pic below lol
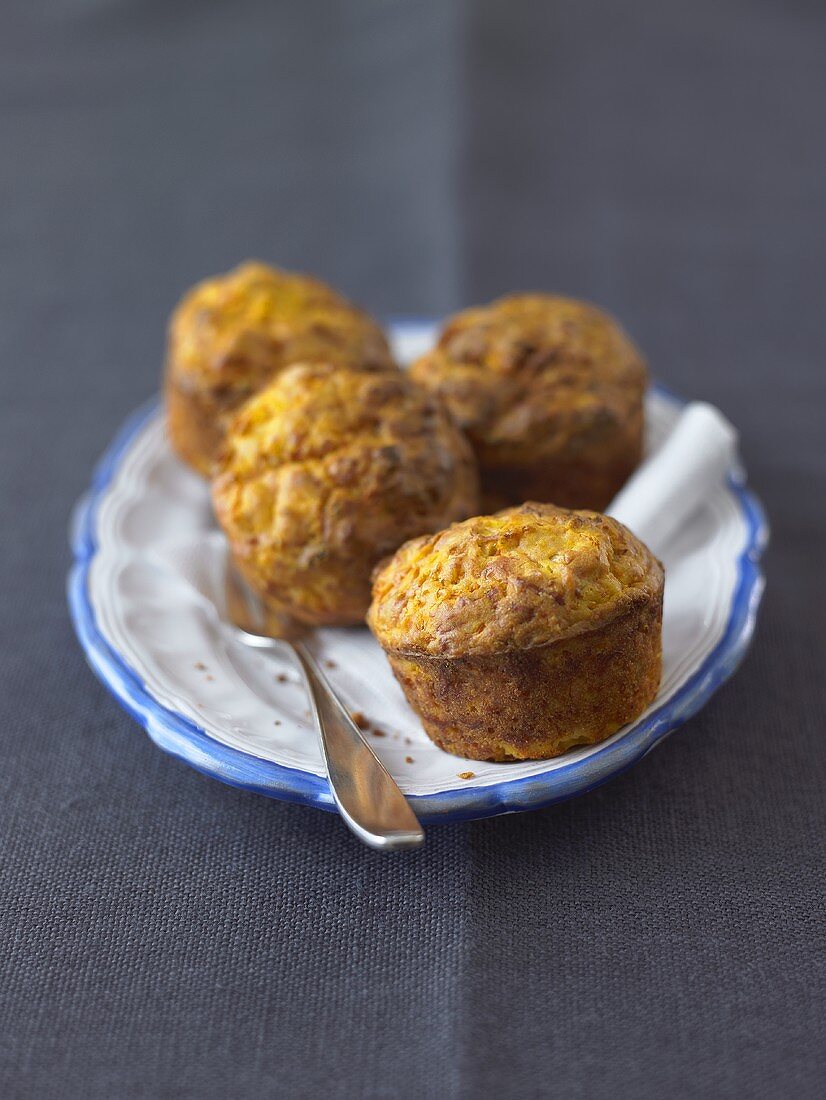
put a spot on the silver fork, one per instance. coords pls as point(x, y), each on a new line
point(366, 794)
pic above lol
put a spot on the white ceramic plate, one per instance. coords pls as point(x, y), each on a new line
point(145, 595)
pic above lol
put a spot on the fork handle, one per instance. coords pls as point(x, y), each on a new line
point(366, 794)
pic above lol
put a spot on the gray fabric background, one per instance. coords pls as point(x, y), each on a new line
point(164, 936)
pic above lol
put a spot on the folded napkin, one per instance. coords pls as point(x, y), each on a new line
point(259, 706)
point(665, 491)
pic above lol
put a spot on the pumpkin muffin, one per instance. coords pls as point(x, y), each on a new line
point(550, 392)
point(327, 471)
point(231, 335)
point(520, 635)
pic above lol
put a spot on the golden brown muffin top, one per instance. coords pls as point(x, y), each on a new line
point(529, 372)
point(519, 579)
point(314, 409)
point(235, 330)
point(330, 465)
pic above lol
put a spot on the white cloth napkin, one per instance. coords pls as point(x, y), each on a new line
point(665, 491)
point(259, 707)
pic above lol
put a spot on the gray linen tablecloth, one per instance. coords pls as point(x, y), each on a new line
point(164, 936)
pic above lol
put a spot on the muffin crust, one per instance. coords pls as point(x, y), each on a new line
point(519, 635)
point(231, 335)
point(549, 391)
point(327, 471)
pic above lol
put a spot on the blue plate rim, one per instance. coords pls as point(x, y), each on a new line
point(182, 738)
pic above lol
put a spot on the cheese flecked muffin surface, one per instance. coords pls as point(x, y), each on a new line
point(326, 472)
point(549, 391)
point(232, 334)
point(519, 635)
